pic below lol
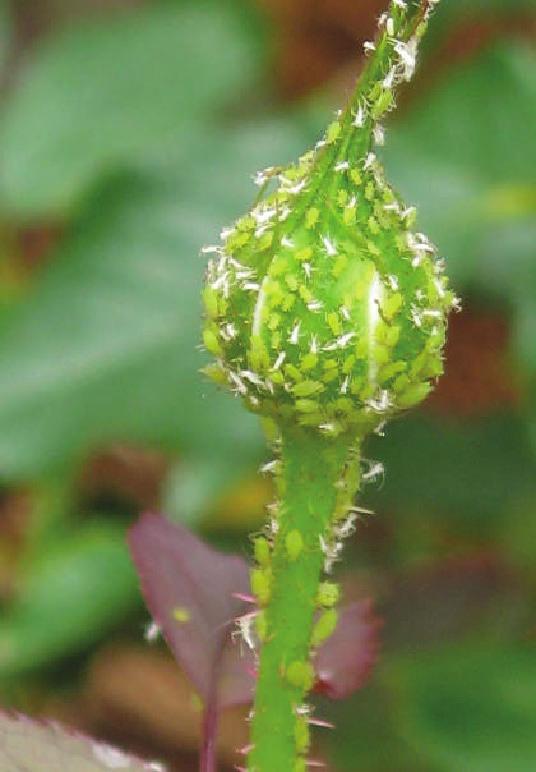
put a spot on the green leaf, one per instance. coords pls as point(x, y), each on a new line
point(76, 591)
point(471, 471)
point(6, 30)
point(470, 707)
point(106, 346)
point(102, 93)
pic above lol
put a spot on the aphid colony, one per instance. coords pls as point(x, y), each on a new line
point(324, 306)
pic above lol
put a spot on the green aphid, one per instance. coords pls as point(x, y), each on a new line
point(210, 301)
point(391, 305)
point(390, 370)
point(265, 241)
point(274, 320)
point(307, 388)
point(212, 344)
point(291, 281)
point(294, 544)
point(381, 354)
point(413, 395)
point(333, 132)
point(334, 323)
point(355, 176)
point(307, 406)
point(308, 362)
point(349, 364)
point(324, 627)
point(349, 216)
point(312, 418)
point(339, 265)
point(261, 584)
point(302, 735)
point(328, 594)
point(373, 226)
point(216, 373)
point(295, 373)
point(262, 551)
point(300, 675)
point(382, 103)
point(304, 254)
point(312, 217)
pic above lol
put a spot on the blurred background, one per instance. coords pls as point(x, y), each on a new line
point(129, 132)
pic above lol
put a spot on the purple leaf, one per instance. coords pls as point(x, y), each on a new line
point(32, 745)
point(346, 660)
point(189, 589)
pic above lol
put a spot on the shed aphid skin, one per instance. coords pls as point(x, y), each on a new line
point(326, 312)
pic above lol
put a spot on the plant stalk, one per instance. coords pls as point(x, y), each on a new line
point(310, 481)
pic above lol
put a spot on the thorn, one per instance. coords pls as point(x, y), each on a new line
point(321, 723)
point(244, 597)
point(245, 749)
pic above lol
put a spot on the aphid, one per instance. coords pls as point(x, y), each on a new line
point(261, 584)
point(262, 552)
point(324, 627)
point(328, 594)
point(300, 674)
point(294, 544)
point(302, 735)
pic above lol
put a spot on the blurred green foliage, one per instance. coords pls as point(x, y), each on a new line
point(138, 134)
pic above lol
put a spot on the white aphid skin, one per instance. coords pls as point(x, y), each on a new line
point(271, 467)
point(374, 472)
point(245, 630)
point(152, 632)
point(329, 246)
point(379, 135)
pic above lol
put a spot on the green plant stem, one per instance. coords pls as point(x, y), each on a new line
point(311, 472)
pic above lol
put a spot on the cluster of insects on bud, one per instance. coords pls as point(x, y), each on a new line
point(324, 306)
